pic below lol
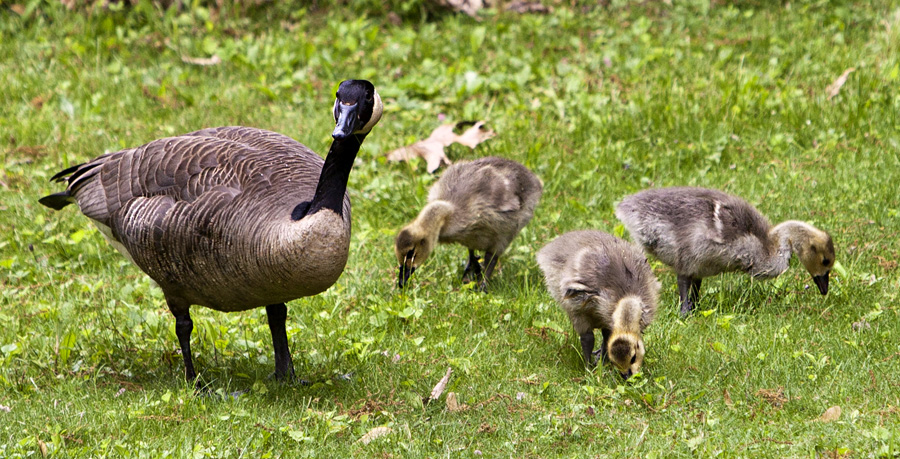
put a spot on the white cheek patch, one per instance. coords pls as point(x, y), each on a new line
point(377, 109)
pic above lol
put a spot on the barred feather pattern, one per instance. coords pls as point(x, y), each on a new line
point(207, 215)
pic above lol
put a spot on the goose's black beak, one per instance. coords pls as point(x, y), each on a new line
point(405, 272)
point(822, 283)
point(345, 116)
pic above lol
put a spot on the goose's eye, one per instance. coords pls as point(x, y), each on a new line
point(633, 359)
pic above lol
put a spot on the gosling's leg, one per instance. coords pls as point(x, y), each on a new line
point(490, 261)
point(277, 315)
point(473, 269)
point(183, 328)
point(689, 292)
point(602, 351)
point(587, 348)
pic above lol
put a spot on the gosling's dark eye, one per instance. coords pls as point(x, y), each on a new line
point(633, 359)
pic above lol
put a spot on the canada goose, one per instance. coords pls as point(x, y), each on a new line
point(479, 204)
point(603, 282)
point(701, 232)
point(231, 218)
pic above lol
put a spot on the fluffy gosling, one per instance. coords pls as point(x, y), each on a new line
point(481, 205)
point(603, 282)
point(701, 232)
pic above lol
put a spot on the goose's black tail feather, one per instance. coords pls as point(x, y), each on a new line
point(57, 200)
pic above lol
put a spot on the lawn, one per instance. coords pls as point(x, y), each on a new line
point(599, 102)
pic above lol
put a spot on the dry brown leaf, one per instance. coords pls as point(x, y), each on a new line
point(17, 8)
point(43, 448)
point(775, 397)
point(831, 414)
point(440, 386)
point(377, 432)
point(474, 135)
point(834, 88)
point(204, 61)
point(432, 148)
point(728, 402)
point(453, 404)
point(522, 6)
point(470, 7)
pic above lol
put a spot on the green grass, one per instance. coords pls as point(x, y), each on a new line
point(598, 102)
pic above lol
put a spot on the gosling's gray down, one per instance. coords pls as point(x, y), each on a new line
point(701, 232)
point(603, 282)
point(479, 204)
point(231, 218)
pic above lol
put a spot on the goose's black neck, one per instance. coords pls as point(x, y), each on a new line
point(333, 180)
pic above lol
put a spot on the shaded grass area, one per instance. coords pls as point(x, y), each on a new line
point(598, 102)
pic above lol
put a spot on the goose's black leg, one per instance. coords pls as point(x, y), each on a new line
point(277, 315)
point(587, 347)
point(473, 268)
point(183, 328)
point(689, 292)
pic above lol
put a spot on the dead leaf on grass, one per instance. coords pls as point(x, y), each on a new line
point(432, 148)
point(453, 404)
point(834, 88)
point(486, 428)
point(17, 8)
point(470, 7)
point(728, 402)
point(522, 6)
point(774, 397)
point(439, 387)
point(204, 61)
point(38, 101)
point(831, 414)
point(377, 432)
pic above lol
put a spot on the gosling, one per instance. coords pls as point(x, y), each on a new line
point(481, 205)
point(701, 232)
point(603, 282)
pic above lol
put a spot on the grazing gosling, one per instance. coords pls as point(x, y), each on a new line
point(701, 232)
point(603, 282)
point(481, 205)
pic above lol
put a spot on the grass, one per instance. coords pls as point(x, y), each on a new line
point(598, 102)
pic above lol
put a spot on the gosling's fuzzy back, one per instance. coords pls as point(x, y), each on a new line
point(698, 231)
point(493, 198)
point(605, 266)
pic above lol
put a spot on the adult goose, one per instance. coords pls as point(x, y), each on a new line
point(481, 204)
point(231, 218)
point(701, 232)
point(603, 282)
